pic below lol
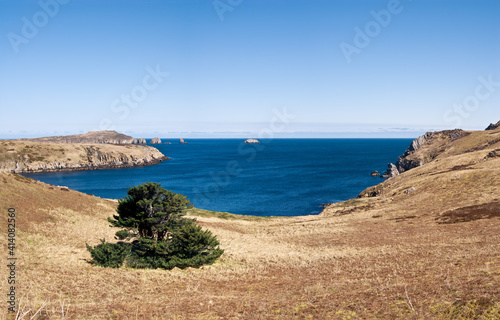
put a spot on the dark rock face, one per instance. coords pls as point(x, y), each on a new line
point(155, 140)
point(493, 126)
point(375, 173)
point(493, 154)
point(404, 164)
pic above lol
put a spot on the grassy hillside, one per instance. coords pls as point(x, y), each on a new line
point(430, 253)
point(465, 172)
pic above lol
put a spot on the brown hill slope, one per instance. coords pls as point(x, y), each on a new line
point(28, 156)
point(442, 144)
point(459, 173)
point(426, 247)
point(427, 254)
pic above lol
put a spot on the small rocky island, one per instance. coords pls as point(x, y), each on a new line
point(252, 141)
point(155, 140)
point(181, 141)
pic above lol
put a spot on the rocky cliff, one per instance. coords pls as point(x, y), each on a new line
point(424, 149)
point(451, 153)
point(31, 157)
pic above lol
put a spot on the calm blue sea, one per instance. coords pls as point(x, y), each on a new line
point(279, 177)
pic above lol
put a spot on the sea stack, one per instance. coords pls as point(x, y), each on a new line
point(252, 141)
point(182, 141)
point(155, 140)
point(139, 141)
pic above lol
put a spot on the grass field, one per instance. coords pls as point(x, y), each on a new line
point(432, 253)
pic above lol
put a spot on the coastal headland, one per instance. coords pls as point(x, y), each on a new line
point(90, 151)
point(422, 244)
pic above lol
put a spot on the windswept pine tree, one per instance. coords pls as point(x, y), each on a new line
point(152, 220)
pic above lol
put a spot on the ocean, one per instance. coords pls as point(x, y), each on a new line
point(279, 177)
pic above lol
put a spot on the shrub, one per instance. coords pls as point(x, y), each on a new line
point(189, 246)
point(108, 254)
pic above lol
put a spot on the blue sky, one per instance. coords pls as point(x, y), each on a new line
point(230, 67)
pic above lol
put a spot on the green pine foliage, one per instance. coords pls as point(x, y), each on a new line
point(189, 246)
point(150, 211)
point(108, 254)
point(162, 238)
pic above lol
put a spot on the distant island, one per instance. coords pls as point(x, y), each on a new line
point(105, 136)
point(252, 141)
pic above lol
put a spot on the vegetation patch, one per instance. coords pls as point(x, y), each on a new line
point(470, 213)
point(481, 308)
point(403, 218)
point(23, 179)
point(223, 215)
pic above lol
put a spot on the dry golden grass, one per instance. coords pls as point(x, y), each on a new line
point(387, 257)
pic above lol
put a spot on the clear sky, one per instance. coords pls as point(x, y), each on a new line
point(242, 67)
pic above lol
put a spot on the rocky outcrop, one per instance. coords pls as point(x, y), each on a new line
point(410, 190)
point(252, 141)
point(139, 141)
point(182, 141)
point(86, 157)
point(409, 159)
point(450, 152)
point(392, 170)
point(155, 140)
point(375, 173)
point(108, 136)
point(493, 126)
point(373, 191)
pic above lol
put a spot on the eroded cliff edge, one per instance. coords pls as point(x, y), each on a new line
point(451, 151)
point(21, 156)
